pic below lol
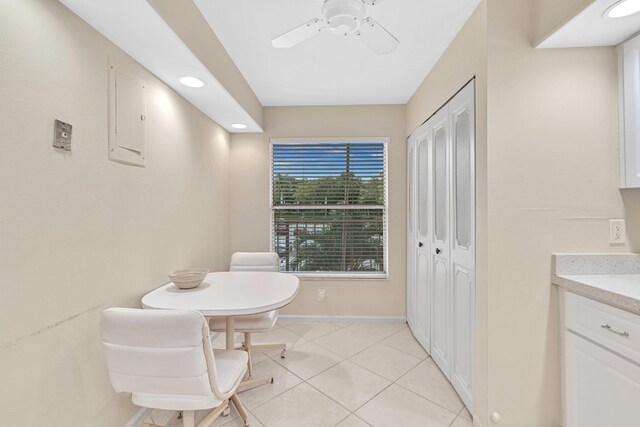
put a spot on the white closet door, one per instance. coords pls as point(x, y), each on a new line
point(422, 328)
point(461, 111)
point(411, 232)
point(441, 243)
point(439, 257)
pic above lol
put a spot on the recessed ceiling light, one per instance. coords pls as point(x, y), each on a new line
point(190, 81)
point(239, 126)
point(623, 8)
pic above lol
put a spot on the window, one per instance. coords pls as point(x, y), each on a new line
point(329, 206)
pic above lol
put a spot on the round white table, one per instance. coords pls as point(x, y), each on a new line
point(228, 294)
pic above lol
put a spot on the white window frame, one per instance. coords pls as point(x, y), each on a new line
point(338, 275)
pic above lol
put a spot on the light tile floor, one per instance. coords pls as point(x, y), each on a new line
point(344, 375)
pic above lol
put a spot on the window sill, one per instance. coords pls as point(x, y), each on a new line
point(339, 276)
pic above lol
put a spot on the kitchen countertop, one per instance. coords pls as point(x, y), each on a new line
point(610, 278)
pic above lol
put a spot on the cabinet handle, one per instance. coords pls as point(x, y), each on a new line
point(608, 328)
point(438, 251)
point(420, 245)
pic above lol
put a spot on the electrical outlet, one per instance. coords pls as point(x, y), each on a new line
point(322, 295)
point(617, 231)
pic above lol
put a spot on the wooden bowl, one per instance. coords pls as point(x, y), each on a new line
point(188, 278)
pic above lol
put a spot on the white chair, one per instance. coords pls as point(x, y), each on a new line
point(165, 360)
point(253, 261)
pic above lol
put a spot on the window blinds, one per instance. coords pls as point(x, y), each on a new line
point(329, 206)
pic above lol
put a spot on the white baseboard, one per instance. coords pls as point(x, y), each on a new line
point(341, 319)
point(138, 418)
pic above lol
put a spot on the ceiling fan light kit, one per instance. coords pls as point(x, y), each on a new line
point(344, 17)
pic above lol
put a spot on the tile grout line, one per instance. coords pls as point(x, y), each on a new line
point(428, 400)
point(348, 359)
point(454, 420)
point(281, 393)
point(325, 370)
point(285, 368)
point(366, 348)
point(350, 413)
point(348, 410)
point(301, 379)
point(405, 352)
point(456, 415)
point(374, 373)
point(320, 336)
point(381, 342)
point(391, 381)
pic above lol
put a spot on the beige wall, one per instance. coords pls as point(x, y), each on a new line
point(465, 59)
point(550, 15)
point(79, 233)
point(250, 212)
point(552, 187)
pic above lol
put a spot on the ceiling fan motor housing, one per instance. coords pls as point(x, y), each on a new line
point(343, 16)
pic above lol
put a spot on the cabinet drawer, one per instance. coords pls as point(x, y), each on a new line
point(608, 326)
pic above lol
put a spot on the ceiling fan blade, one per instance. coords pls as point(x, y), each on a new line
point(299, 34)
point(376, 37)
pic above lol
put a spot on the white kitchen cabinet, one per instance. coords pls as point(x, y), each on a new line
point(629, 112)
point(441, 238)
point(601, 364)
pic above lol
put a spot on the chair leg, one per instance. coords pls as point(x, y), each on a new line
point(188, 418)
point(213, 415)
point(241, 410)
point(253, 383)
point(271, 346)
point(248, 347)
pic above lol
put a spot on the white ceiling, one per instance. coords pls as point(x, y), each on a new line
point(330, 69)
point(591, 28)
point(144, 35)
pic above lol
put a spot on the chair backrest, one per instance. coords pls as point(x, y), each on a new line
point(158, 351)
point(255, 261)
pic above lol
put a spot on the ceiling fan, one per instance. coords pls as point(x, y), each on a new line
point(343, 17)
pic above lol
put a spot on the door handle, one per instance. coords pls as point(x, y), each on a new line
point(438, 251)
point(420, 244)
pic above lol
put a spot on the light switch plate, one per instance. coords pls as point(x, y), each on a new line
point(617, 231)
point(62, 135)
